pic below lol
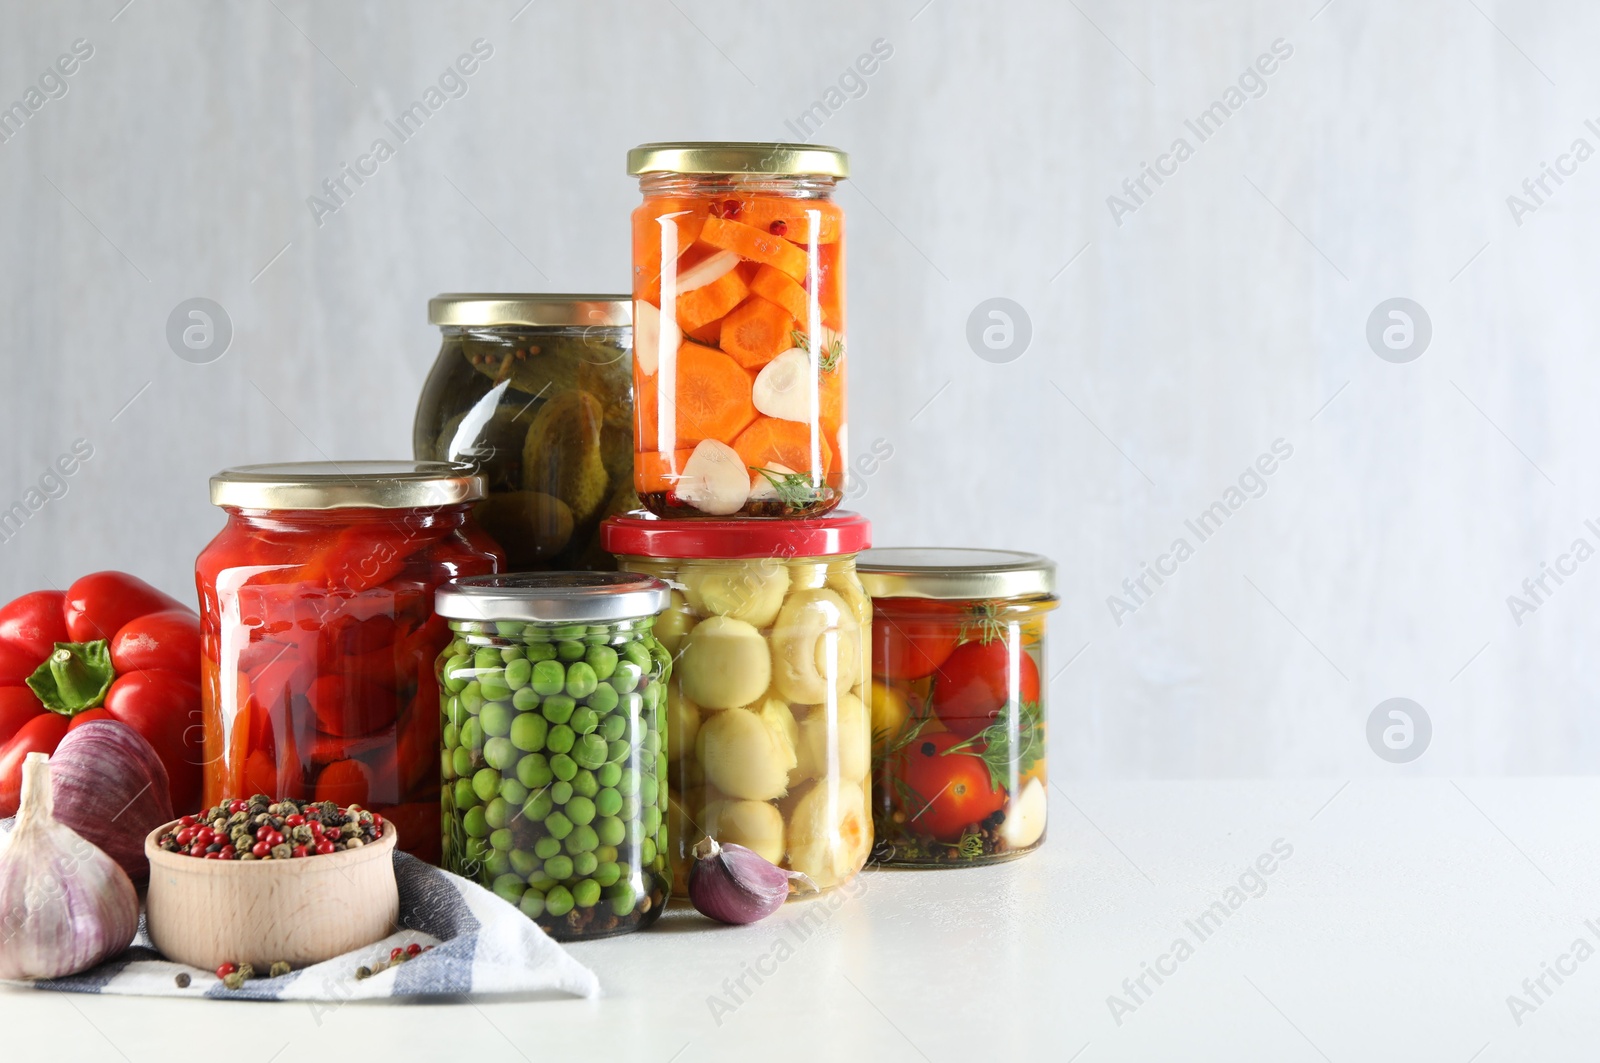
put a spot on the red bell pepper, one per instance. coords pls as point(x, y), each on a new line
point(113, 647)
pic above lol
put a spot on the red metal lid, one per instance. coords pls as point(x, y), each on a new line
point(646, 535)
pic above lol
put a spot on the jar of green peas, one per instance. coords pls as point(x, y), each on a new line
point(551, 695)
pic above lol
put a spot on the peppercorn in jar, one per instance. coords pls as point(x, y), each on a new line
point(554, 756)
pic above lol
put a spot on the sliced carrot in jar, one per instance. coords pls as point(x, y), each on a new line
point(770, 441)
point(712, 395)
point(686, 216)
point(655, 471)
point(830, 285)
point(792, 219)
point(754, 244)
point(706, 304)
point(778, 287)
point(756, 331)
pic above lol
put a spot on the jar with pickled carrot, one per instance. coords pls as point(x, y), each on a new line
point(739, 333)
point(319, 636)
point(957, 703)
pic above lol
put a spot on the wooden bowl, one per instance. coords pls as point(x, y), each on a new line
point(209, 912)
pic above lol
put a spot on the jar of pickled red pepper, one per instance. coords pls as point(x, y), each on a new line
point(554, 756)
point(768, 732)
point(958, 703)
point(535, 391)
point(739, 333)
point(318, 632)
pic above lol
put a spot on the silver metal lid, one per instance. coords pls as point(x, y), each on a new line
point(347, 485)
point(530, 309)
point(953, 573)
point(555, 597)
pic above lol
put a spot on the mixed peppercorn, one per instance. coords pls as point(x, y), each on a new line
point(259, 828)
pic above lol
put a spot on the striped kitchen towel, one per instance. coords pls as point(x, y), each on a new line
point(480, 943)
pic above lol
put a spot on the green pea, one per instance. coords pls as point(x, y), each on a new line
point(512, 653)
point(581, 679)
point(528, 731)
point(617, 752)
point(496, 718)
point(500, 754)
point(496, 812)
point(652, 742)
point(561, 791)
point(453, 667)
point(558, 902)
point(630, 807)
point(558, 708)
point(513, 791)
point(584, 720)
point(652, 819)
point(626, 677)
point(548, 678)
point(564, 767)
point(637, 654)
point(610, 829)
point(458, 647)
point(568, 631)
point(608, 773)
point(451, 736)
point(585, 784)
point(661, 658)
point(471, 734)
point(622, 898)
point(486, 658)
point(608, 802)
point(604, 700)
point(525, 863)
point(510, 887)
point(607, 873)
point(560, 739)
point(538, 805)
point(524, 700)
point(501, 839)
point(474, 822)
point(590, 751)
point(661, 840)
point(538, 880)
point(647, 789)
point(532, 904)
point(585, 894)
point(647, 762)
point(585, 864)
point(557, 824)
point(647, 851)
point(580, 810)
point(518, 672)
point(477, 850)
point(559, 867)
point(583, 839)
point(570, 651)
point(540, 651)
point(465, 795)
point(486, 783)
point(602, 660)
point(606, 852)
point(494, 686)
point(632, 705)
point(471, 698)
point(651, 697)
point(454, 712)
point(533, 771)
point(511, 629)
point(547, 847)
point(447, 764)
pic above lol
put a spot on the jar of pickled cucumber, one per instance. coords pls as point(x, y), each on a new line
point(551, 698)
point(536, 391)
point(768, 732)
point(958, 703)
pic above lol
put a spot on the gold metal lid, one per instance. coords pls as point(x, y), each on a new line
point(347, 485)
point(723, 156)
point(951, 573)
point(533, 309)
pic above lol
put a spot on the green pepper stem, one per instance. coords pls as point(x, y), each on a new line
point(75, 677)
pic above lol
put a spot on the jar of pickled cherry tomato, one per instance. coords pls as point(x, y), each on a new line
point(554, 762)
point(957, 699)
point(318, 632)
point(768, 732)
point(739, 332)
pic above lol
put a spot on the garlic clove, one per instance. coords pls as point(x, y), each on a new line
point(108, 784)
point(68, 906)
point(734, 885)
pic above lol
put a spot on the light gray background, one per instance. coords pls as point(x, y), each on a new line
point(1228, 311)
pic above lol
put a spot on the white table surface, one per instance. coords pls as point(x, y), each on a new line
point(1407, 913)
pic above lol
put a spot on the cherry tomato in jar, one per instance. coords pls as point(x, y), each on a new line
point(976, 681)
point(906, 645)
point(949, 791)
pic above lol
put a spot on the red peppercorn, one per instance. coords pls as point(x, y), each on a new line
point(237, 806)
point(261, 849)
point(212, 856)
point(185, 836)
point(731, 208)
point(324, 847)
point(316, 828)
point(300, 850)
point(394, 954)
point(294, 820)
point(226, 969)
point(778, 228)
point(227, 852)
point(413, 949)
point(197, 849)
point(275, 838)
point(188, 821)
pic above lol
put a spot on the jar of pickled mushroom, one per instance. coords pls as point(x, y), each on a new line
point(554, 762)
point(768, 732)
point(536, 392)
point(957, 701)
point(739, 335)
point(317, 626)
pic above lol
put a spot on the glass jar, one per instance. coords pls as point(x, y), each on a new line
point(958, 714)
point(555, 787)
point(535, 391)
point(318, 634)
point(738, 296)
point(768, 732)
